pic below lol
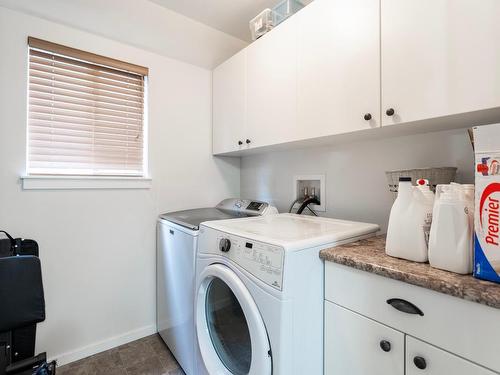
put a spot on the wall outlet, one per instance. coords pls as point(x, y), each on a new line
point(313, 183)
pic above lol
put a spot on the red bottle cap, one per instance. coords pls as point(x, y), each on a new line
point(482, 168)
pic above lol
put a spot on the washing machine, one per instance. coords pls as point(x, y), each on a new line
point(260, 293)
point(177, 240)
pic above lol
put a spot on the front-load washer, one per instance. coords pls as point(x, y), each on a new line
point(177, 239)
point(260, 293)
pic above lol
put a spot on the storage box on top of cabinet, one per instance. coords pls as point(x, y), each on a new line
point(261, 24)
point(285, 9)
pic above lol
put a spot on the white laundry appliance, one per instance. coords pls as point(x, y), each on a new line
point(177, 239)
point(259, 293)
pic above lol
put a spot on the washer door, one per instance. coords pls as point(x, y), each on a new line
point(231, 334)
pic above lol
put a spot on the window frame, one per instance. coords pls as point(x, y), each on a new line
point(35, 180)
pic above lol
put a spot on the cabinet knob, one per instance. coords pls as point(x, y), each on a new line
point(390, 112)
point(385, 346)
point(240, 143)
point(248, 141)
point(420, 363)
point(368, 117)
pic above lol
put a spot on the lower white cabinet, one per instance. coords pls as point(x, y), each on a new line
point(356, 345)
point(428, 332)
point(422, 358)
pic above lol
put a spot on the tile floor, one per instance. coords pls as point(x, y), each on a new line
point(147, 356)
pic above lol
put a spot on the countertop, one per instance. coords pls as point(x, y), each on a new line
point(369, 255)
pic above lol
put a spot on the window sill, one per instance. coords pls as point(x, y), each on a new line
point(84, 182)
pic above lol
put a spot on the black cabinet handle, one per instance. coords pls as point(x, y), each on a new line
point(420, 363)
point(390, 112)
point(240, 143)
point(368, 117)
point(405, 306)
point(385, 346)
point(248, 141)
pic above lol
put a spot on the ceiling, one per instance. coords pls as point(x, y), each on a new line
point(229, 16)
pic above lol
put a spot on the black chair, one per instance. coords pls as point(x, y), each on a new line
point(22, 306)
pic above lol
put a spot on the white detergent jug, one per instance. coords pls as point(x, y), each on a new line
point(410, 221)
point(451, 240)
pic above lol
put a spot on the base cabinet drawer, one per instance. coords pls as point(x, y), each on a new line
point(425, 359)
point(356, 345)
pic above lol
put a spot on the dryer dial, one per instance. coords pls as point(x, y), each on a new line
point(224, 245)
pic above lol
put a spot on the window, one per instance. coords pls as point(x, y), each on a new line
point(86, 113)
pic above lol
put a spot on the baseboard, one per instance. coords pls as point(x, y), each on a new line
point(112, 342)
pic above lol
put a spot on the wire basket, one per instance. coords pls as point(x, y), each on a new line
point(436, 176)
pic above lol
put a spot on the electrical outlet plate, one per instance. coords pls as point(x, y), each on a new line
point(313, 180)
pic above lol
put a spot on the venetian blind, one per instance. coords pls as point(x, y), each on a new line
point(85, 113)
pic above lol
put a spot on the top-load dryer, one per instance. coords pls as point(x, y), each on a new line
point(260, 293)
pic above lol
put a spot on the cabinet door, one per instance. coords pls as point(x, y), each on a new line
point(353, 345)
point(439, 58)
point(272, 86)
point(422, 358)
point(229, 104)
point(338, 67)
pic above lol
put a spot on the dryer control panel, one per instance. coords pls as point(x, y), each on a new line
point(262, 260)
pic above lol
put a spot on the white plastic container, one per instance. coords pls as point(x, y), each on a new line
point(410, 222)
point(451, 238)
point(261, 24)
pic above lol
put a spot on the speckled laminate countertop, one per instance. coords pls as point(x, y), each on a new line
point(369, 255)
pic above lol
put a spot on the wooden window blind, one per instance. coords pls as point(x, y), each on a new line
point(85, 113)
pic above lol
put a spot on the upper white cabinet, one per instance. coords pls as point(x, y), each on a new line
point(342, 66)
point(439, 58)
point(338, 67)
point(271, 86)
point(229, 104)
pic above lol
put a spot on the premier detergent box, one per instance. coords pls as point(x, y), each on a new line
point(487, 203)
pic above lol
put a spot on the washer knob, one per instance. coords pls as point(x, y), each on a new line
point(224, 245)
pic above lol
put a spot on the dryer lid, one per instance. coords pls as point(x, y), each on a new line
point(295, 231)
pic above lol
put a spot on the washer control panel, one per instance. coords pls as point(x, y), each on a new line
point(262, 260)
point(244, 206)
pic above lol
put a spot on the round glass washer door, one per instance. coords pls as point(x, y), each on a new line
point(231, 334)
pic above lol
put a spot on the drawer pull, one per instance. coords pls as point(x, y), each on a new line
point(420, 363)
point(405, 306)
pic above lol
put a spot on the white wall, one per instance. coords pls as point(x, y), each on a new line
point(140, 23)
point(356, 185)
point(98, 247)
